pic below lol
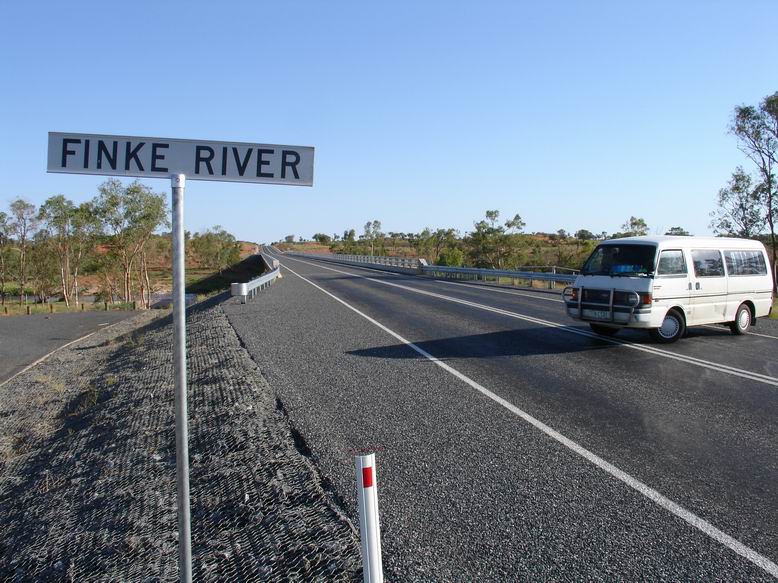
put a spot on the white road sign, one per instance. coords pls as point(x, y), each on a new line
point(197, 159)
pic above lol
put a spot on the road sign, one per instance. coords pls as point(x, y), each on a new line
point(196, 159)
point(178, 160)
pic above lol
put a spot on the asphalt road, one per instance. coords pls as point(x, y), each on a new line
point(25, 339)
point(511, 443)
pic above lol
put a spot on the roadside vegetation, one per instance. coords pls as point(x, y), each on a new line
point(747, 207)
point(114, 248)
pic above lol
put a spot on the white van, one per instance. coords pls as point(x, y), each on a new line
point(665, 284)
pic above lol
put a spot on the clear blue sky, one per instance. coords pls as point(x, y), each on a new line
point(573, 114)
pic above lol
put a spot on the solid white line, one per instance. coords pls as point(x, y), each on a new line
point(534, 296)
point(674, 508)
point(465, 284)
point(749, 333)
point(753, 376)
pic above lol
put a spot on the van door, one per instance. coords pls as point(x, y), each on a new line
point(672, 283)
point(708, 295)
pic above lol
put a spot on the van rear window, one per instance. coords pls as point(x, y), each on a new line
point(748, 262)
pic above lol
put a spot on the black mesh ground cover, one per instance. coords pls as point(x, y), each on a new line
point(87, 467)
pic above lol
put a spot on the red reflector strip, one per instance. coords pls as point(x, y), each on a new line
point(367, 477)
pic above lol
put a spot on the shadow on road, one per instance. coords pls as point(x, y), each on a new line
point(524, 342)
point(532, 341)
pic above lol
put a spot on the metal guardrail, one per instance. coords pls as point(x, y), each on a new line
point(249, 289)
point(406, 262)
point(395, 264)
point(484, 274)
point(420, 266)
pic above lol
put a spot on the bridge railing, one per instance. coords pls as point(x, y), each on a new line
point(550, 274)
point(250, 289)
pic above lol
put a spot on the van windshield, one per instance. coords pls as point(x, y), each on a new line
point(621, 260)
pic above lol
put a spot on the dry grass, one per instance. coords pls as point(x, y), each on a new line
point(56, 385)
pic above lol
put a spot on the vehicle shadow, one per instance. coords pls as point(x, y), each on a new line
point(526, 341)
point(532, 341)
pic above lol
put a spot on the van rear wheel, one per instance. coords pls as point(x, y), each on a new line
point(603, 330)
point(742, 321)
point(673, 328)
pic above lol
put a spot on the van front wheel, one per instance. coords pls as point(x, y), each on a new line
point(673, 328)
point(742, 321)
point(603, 330)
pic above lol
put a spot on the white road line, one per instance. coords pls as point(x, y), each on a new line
point(753, 376)
point(672, 507)
point(749, 333)
point(534, 296)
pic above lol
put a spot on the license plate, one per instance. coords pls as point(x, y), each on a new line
point(597, 314)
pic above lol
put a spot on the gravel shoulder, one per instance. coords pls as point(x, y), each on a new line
point(87, 466)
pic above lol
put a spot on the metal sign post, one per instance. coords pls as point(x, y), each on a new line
point(178, 183)
point(176, 159)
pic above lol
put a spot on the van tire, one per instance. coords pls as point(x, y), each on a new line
point(603, 330)
point(742, 322)
point(673, 328)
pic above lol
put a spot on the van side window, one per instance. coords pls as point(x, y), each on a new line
point(707, 263)
point(671, 263)
point(747, 262)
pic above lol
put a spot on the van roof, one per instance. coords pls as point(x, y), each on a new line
point(666, 241)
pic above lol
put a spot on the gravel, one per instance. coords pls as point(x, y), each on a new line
point(87, 466)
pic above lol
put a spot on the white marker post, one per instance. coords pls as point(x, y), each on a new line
point(369, 528)
point(176, 160)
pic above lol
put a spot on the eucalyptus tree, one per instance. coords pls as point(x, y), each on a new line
point(491, 244)
point(56, 221)
point(756, 130)
point(5, 247)
point(739, 212)
point(130, 214)
point(23, 225)
point(86, 230)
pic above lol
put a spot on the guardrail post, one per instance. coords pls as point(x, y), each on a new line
point(369, 529)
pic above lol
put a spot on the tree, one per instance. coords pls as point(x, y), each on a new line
point(216, 248)
point(289, 239)
point(373, 234)
point(85, 230)
point(739, 212)
point(56, 218)
point(5, 249)
point(130, 215)
point(584, 235)
point(451, 257)
point(44, 269)
point(492, 244)
point(23, 226)
point(322, 239)
point(677, 232)
point(634, 227)
point(756, 130)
